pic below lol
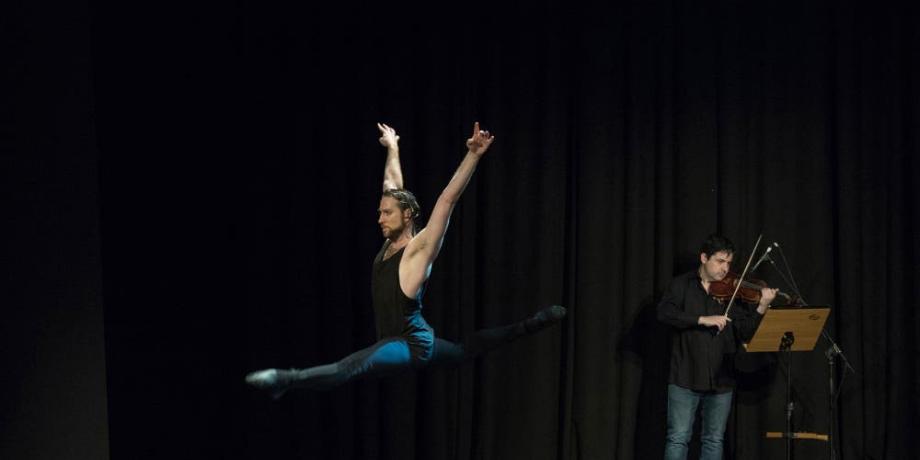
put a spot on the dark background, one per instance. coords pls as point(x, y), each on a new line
point(212, 170)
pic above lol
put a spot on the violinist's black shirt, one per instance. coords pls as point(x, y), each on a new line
point(702, 360)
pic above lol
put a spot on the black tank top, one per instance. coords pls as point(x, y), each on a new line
point(396, 313)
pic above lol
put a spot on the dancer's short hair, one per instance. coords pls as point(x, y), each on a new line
point(406, 200)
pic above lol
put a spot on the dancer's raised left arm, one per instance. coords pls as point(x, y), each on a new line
point(422, 251)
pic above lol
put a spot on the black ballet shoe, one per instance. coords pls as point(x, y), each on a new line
point(274, 381)
point(544, 318)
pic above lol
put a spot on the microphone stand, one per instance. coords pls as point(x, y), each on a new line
point(831, 354)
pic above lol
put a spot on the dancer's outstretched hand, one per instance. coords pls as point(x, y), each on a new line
point(388, 137)
point(480, 141)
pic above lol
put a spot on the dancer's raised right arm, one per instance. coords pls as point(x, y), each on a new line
point(392, 171)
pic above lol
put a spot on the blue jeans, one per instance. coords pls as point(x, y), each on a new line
point(682, 405)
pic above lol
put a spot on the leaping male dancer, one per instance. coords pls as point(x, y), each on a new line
point(401, 269)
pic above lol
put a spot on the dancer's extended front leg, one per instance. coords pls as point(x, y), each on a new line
point(385, 357)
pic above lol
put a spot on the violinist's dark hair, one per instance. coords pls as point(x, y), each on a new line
point(716, 243)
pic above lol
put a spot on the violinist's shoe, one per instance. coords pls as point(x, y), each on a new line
point(274, 381)
point(544, 318)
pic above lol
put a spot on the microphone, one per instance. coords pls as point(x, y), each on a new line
point(791, 280)
point(765, 256)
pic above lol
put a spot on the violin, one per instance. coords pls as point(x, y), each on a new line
point(749, 291)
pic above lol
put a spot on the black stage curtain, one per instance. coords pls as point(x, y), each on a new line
point(52, 348)
point(240, 174)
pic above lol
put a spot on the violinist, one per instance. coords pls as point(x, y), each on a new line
point(703, 343)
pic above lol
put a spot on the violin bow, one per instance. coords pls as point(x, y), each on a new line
point(741, 279)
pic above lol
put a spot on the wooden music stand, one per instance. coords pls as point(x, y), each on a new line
point(788, 329)
point(803, 324)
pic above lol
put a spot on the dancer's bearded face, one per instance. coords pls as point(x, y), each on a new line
point(391, 218)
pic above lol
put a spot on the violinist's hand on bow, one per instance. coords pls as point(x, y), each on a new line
point(718, 321)
point(766, 297)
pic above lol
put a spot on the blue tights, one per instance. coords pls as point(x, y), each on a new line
point(396, 354)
